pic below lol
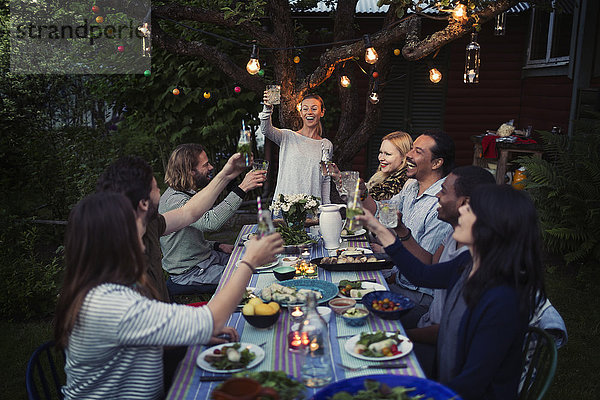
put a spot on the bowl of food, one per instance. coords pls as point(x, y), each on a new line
point(386, 304)
point(260, 314)
point(355, 316)
point(288, 261)
point(284, 273)
point(339, 305)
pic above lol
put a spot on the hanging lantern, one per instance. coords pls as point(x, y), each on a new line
point(472, 61)
point(253, 65)
point(296, 60)
point(460, 13)
point(435, 75)
point(176, 92)
point(500, 27)
point(396, 52)
point(237, 89)
point(371, 56)
point(374, 97)
point(99, 19)
point(345, 81)
point(206, 95)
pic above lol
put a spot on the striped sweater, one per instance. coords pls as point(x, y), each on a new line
point(115, 348)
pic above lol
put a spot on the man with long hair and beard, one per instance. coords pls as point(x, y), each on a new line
point(195, 264)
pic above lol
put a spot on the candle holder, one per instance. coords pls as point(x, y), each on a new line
point(297, 339)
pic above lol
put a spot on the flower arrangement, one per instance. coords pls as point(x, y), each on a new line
point(294, 208)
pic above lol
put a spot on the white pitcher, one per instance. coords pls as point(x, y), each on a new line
point(330, 224)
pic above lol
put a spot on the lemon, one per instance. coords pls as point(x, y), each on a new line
point(254, 301)
point(274, 305)
point(248, 309)
point(263, 309)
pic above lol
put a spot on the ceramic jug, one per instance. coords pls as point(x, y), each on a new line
point(330, 224)
point(242, 389)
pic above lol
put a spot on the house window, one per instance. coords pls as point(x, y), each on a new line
point(550, 37)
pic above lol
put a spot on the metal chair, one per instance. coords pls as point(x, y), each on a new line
point(45, 373)
point(539, 364)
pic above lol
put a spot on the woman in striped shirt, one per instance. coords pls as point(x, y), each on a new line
point(112, 332)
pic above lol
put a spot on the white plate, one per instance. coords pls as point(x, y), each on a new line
point(365, 285)
point(405, 347)
point(258, 351)
point(363, 250)
point(265, 266)
point(359, 232)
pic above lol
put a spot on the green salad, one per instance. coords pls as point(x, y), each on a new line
point(375, 390)
point(230, 357)
point(378, 344)
point(287, 388)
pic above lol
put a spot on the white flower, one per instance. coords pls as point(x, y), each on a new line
point(285, 207)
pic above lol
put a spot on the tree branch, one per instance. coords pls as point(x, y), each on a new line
point(179, 12)
point(418, 49)
point(201, 50)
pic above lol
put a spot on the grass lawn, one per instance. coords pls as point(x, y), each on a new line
point(578, 363)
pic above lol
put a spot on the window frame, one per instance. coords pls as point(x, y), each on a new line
point(548, 61)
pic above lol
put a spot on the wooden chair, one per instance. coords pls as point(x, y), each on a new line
point(45, 373)
point(539, 364)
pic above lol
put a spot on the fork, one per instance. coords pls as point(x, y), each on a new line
point(378, 366)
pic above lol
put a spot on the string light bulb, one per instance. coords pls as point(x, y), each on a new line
point(371, 56)
point(460, 13)
point(435, 75)
point(345, 81)
point(471, 74)
point(299, 107)
point(253, 65)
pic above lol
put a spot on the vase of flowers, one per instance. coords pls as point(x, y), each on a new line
point(294, 209)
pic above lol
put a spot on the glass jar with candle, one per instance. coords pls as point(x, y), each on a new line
point(316, 364)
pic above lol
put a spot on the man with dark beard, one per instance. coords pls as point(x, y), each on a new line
point(133, 177)
point(195, 264)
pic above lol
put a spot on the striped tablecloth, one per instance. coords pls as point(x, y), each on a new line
point(186, 384)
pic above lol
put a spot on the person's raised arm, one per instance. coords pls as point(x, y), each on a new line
point(258, 252)
point(204, 199)
point(266, 126)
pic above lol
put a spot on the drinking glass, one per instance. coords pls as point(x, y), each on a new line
point(274, 94)
point(388, 214)
point(347, 183)
point(353, 208)
point(260, 165)
point(328, 168)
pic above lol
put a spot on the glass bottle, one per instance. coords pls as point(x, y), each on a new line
point(265, 223)
point(244, 145)
point(316, 367)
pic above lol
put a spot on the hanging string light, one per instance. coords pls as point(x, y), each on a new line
point(460, 13)
point(345, 81)
point(371, 56)
point(374, 97)
point(253, 65)
point(472, 61)
point(500, 27)
point(435, 75)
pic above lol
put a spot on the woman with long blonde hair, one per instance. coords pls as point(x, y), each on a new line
point(391, 173)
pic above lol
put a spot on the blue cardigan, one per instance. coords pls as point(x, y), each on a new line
point(490, 337)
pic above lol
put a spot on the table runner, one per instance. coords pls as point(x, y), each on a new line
point(186, 384)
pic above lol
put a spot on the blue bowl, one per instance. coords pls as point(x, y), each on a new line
point(357, 321)
point(429, 389)
point(403, 303)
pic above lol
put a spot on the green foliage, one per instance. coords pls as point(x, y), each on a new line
point(28, 277)
point(565, 186)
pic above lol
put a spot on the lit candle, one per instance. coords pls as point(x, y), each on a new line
point(297, 313)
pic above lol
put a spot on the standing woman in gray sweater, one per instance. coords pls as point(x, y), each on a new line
point(300, 152)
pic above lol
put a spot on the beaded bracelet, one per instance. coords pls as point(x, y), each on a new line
point(248, 264)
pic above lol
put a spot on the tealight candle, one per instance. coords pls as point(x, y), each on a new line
point(297, 312)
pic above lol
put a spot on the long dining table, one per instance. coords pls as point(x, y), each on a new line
point(187, 383)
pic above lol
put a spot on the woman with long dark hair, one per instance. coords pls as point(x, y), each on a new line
point(300, 151)
point(493, 289)
point(111, 330)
